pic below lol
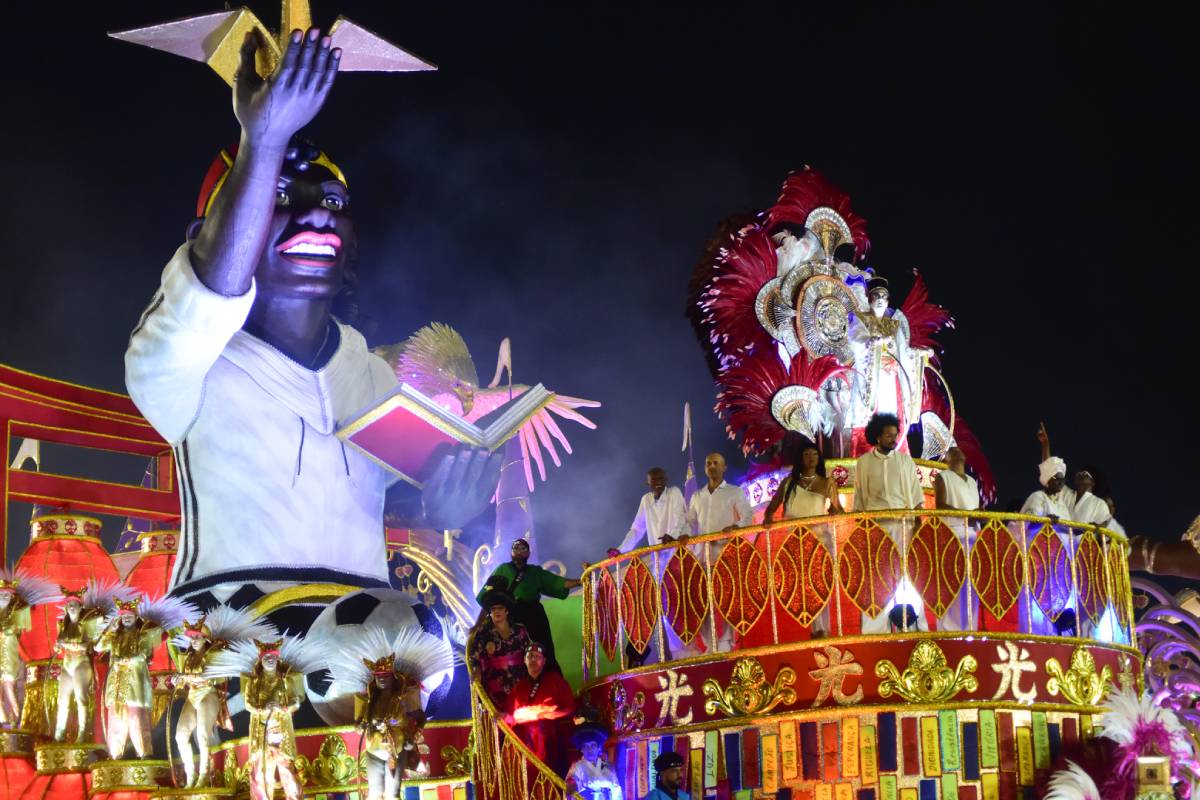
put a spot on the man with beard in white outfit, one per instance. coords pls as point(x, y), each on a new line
point(884, 479)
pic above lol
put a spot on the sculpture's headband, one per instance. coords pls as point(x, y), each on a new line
point(300, 152)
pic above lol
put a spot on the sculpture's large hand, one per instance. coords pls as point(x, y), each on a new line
point(273, 109)
point(461, 488)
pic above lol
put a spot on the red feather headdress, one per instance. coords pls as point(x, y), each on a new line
point(727, 303)
point(807, 190)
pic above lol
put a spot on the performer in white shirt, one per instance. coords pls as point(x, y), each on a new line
point(240, 365)
point(954, 489)
point(1080, 502)
point(1048, 501)
point(718, 506)
point(885, 478)
point(661, 517)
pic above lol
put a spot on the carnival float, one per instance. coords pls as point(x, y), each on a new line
point(1015, 663)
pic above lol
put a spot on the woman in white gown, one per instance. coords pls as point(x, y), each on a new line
point(806, 493)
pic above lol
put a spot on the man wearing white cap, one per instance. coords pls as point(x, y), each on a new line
point(1048, 501)
point(1080, 503)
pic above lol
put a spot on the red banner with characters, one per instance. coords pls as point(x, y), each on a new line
point(930, 670)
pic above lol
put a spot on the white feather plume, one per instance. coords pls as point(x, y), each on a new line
point(418, 654)
point(295, 655)
point(1071, 783)
point(167, 612)
point(33, 590)
point(1129, 709)
point(230, 625)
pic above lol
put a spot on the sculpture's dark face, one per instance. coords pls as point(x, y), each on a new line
point(311, 236)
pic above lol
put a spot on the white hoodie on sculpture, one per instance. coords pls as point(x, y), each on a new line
point(268, 493)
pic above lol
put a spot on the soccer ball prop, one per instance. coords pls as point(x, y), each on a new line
point(342, 621)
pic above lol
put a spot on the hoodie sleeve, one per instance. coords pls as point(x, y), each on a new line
point(179, 337)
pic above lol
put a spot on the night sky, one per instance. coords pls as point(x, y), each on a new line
point(555, 180)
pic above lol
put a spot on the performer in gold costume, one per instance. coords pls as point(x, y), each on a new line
point(204, 699)
point(272, 676)
point(19, 593)
point(129, 639)
point(80, 625)
point(387, 671)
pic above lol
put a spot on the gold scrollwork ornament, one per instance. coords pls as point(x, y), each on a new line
point(749, 692)
point(1081, 685)
point(928, 677)
point(458, 762)
point(333, 765)
point(625, 717)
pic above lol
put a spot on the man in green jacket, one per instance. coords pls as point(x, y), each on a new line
point(526, 583)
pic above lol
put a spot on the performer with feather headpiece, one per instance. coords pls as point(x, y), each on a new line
point(84, 613)
point(19, 593)
point(387, 674)
point(134, 630)
point(272, 679)
point(204, 699)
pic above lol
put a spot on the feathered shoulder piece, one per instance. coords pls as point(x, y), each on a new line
point(166, 612)
point(924, 318)
point(410, 654)
point(100, 597)
point(31, 590)
point(296, 656)
point(223, 626)
point(761, 399)
point(433, 360)
point(804, 195)
point(727, 322)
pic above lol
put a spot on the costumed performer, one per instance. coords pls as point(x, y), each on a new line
point(592, 776)
point(388, 672)
point(133, 632)
point(20, 592)
point(526, 584)
point(84, 613)
point(496, 645)
point(888, 371)
point(240, 364)
point(537, 706)
point(272, 681)
point(204, 699)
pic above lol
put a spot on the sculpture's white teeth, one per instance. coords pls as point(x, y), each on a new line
point(310, 249)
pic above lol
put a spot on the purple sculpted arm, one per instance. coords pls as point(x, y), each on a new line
point(230, 243)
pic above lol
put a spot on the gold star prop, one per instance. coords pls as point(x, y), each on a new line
point(216, 40)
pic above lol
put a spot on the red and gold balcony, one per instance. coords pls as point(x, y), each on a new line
point(1012, 629)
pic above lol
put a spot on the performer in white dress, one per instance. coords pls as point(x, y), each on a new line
point(806, 493)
